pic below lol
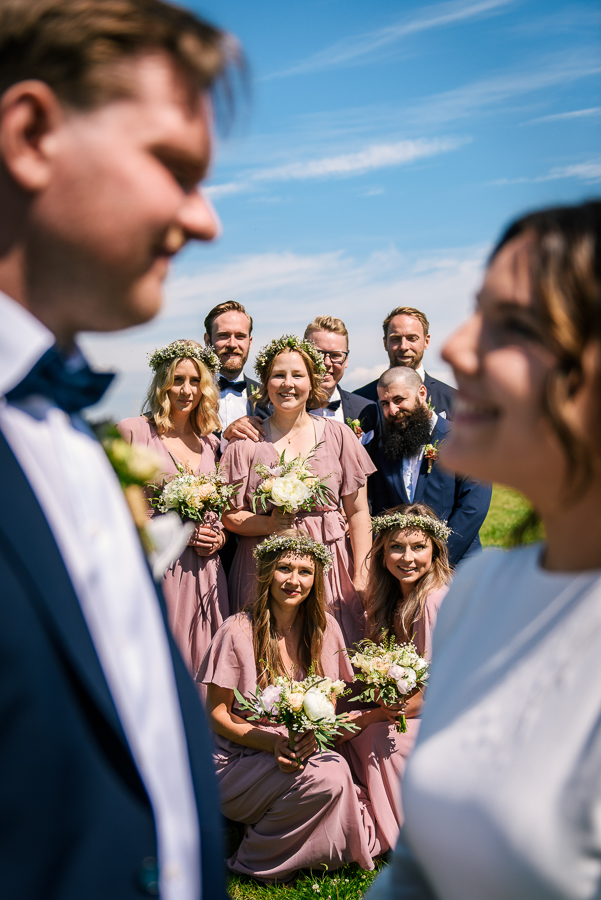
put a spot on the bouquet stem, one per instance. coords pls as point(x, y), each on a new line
point(292, 741)
point(402, 724)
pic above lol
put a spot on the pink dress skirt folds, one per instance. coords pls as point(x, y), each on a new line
point(312, 818)
point(378, 755)
point(194, 587)
point(339, 455)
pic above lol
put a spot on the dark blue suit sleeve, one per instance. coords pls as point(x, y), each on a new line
point(472, 500)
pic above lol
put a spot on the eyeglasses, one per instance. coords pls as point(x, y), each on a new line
point(336, 356)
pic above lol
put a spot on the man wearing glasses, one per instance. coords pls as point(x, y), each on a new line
point(331, 337)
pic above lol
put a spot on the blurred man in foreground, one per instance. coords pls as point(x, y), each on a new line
point(105, 132)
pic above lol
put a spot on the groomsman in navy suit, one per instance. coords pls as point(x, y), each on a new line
point(107, 786)
point(331, 337)
point(408, 470)
point(406, 338)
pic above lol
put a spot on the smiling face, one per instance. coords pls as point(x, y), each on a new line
point(500, 430)
point(121, 198)
point(331, 345)
point(406, 342)
point(185, 393)
point(408, 557)
point(289, 384)
point(292, 582)
point(399, 400)
point(230, 335)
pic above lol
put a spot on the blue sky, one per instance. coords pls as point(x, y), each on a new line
point(384, 147)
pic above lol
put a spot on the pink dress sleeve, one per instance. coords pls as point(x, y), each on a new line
point(334, 660)
point(236, 464)
point(229, 662)
point(425, 627)
point(355, 461)
point(135, 430)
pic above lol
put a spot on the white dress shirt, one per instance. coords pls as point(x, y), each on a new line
point(232, 405)
point(336, 414)
point(412, 465)
point(85, 508)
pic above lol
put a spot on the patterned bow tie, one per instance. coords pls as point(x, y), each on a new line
point(238, 386)
point(333, 404)
point(70, 390)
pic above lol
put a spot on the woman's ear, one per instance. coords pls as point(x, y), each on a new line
point(30, 114)
point(582, 406)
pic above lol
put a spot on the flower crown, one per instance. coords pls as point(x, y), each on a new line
point(288, 342)
point(302, 545)
point(182, 350)
point(438, 528)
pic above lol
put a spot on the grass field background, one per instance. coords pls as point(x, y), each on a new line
point(507, 510)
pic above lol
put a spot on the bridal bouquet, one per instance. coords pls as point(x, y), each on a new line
point(291, 485)
point(195, 496)
point(390, 670)
point(300, 706)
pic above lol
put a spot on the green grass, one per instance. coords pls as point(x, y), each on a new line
point(507, 510)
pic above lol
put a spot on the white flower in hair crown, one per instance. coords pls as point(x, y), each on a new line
point(182, 350)
point(288, 342)
point(438, 528)
point(303, 545)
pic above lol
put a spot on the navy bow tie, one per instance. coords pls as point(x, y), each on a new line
point(70, 390)
point(238, 386)
point(333, 404)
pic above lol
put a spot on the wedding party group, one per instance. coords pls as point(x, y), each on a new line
point(320, 652)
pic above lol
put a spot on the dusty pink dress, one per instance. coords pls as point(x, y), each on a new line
point(314, 817)
point(340, 456)
point(195, 587)
point(378, 755)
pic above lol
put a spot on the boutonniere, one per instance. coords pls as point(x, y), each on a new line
point(431, 454)
point(355, 424)
point(255, 393)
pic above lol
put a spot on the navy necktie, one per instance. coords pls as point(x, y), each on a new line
point(333, 404)
point(70, 390)
point(238, 386)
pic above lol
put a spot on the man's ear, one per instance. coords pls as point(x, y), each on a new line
point(30, 114)
point(422, 393)
point(207, 340)
point(426, 342)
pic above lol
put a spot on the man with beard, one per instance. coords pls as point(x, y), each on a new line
point(228, 328)
point(408, 470)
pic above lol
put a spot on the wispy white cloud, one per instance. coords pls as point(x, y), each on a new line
point(284, 291)
point(357, 47)
point(573, 114)
point(376, 156)
point(589, 172)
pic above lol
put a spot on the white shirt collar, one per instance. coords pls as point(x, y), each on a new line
point(421, 372)
point(23, 340)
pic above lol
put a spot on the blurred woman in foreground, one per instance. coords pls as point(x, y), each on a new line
point(503, 790)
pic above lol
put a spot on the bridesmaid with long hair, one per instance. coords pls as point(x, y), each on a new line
point(408, 578)
point(179, 415)
point(300, 807)
point(291, 370)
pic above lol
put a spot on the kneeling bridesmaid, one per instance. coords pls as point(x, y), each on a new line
point(301, 808)
point(408, 577)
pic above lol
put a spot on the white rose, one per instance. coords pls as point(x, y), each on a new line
point(289, 491)
point(267, 485)
point(338, 688)
point(325, 686)
point(403, 686)
point(420, 665)
point(404, 677)
point(317, 706)
point(295, 701)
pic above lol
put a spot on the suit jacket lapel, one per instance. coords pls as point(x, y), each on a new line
point(438, 434)
point(39, 562)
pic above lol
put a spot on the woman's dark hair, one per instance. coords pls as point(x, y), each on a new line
point(565, 267)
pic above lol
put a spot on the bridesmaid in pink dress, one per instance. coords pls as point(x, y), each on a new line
point(301, 808)
point(180, 414)
point(408, 579)
point(291, 379)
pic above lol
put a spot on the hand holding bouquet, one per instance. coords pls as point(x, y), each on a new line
point(300, 706)
point(391, 671)
point(290, 485)
point(196, 496)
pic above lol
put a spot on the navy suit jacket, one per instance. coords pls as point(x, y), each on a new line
point(442, 396)
point(75, 818)
point(462, 502)
point(355, 407)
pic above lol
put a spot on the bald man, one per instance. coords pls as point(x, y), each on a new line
point(408, 471)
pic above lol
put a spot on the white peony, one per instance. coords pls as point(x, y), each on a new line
point(317, 706)
point(289, 491)
point(405, 678)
